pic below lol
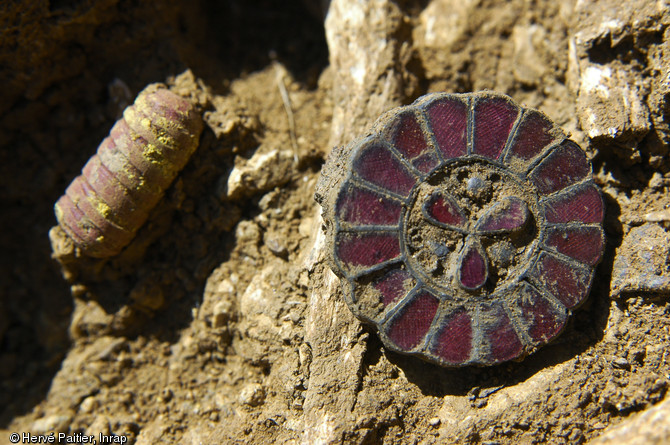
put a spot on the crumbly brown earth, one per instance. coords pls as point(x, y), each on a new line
point(221, 322)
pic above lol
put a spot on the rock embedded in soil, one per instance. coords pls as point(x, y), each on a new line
point(642, 262)
point(617, 74)
point(58, 423)
point(253, 394)
point(651, 427)
point(268, 168)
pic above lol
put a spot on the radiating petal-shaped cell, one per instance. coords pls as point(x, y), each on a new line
point(494, 119)
point(578, 204)
point(408, 138)
point(365, 207)
point(539, 317)
point(568, 282)
point(453, 340)
point(442, 210)
point(583, 243)
point(377, 165)
point(426, 162)
point(565, 165)
point(448, 117)
point(465, 228)
point(501, 342)
point(508, 215)
point(534, 133)
point(394, 285)
point(410, 325)
point(355, 249)
point(387, 288)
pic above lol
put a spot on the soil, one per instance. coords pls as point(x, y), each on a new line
point(221, 322)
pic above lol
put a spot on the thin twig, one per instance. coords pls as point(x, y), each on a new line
point(289, 110)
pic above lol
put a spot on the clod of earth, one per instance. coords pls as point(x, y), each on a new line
point(641, 264)
point(103, 208)
point(465, 227)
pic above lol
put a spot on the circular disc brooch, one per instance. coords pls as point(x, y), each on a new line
point(464, 227)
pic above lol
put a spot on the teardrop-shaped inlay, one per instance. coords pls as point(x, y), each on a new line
point(473, 267)
point(442, 210)
point(508, 215)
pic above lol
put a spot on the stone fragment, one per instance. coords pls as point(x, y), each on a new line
point(642, 262)
point(266, 169)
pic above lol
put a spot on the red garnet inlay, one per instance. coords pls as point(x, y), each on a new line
point(508, 215)
point(425, 163)
point(566, 165)
point(473, 267)
point(543, 321)
point(367, 249)
point(449, 122)
point(360, 206)
point(408, 328)
point(393, 286)
point(442, 210)
point(494, 119)
point(454, 340)
point(582, 243)
point(408, 137)
point(581, 205)
point(568, 283)
point(504, 344)
point(378, 166)
point(533, 134)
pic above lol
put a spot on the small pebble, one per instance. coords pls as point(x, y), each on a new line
point(56, 423)
point(88, 405)
point(659, 216)
point(276, 247)
point(476, 186)
point(99, 426)
point(656, 181)
point(252, 394)
point(620, 363)
point(440, 250)
point(434, 422)
point(166, 395)
point(222, 313)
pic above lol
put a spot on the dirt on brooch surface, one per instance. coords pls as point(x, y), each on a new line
point(221, 322)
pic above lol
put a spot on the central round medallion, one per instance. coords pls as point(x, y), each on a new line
point(470, 228)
